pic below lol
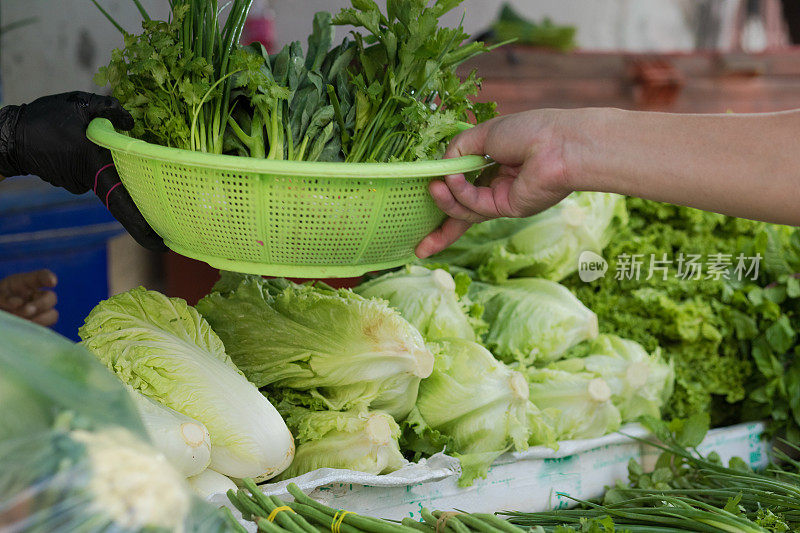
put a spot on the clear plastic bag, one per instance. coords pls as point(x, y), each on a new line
point(74, 456)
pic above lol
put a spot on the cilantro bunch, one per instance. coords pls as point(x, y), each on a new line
point(176, 77)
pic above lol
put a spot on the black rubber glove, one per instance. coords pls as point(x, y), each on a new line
point(47, 138)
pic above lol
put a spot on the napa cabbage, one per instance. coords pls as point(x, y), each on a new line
point(316, 346)
point(164, 349)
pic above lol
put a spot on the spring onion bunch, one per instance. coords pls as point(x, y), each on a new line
point(688, 491)
point(177, 76)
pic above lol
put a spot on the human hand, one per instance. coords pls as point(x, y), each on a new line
point(26, 296)
point(47, 138)
point(530, 148)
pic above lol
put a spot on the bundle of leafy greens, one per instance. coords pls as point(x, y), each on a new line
point(387, 94)
point(474, 406)
point(434, 301)
point(546, 245)
point(640, 383)
point(408, 97)
point(363, 441)
point(728, 339)
point(319, 347)
point(283, 109)
point(164, 349)
point(176, 78)
point(532, 320)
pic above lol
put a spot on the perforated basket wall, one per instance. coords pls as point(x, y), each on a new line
point(281, 218)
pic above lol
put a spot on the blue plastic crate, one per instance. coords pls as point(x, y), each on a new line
point(46, 227)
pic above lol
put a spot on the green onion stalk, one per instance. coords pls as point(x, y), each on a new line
point(199, 35)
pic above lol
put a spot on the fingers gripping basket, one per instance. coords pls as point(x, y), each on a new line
point(281, 218)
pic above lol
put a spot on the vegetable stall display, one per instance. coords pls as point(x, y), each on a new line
point(493, 345)
point(500, 365)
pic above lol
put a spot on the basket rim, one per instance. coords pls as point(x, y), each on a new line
point(102, 133)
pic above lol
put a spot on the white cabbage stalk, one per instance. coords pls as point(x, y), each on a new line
point(164, 349)
point(132, 483)
point(210, 482)
point(361, 441)
point(580, 403)
point(184, 441)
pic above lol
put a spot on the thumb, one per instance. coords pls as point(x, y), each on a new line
point(110, 108)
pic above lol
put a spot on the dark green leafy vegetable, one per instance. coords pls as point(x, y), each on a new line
point(408, 99)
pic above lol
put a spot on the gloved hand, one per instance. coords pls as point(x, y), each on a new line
point(47, 138)
point(26, 296)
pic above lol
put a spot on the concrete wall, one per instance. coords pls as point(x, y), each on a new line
point(71, 39)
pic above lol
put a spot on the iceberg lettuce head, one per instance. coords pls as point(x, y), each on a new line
point(579, 402)
point(430, 299)
point(546, 245)
point(532, 319)
point(640, 383)
point(478, 406)
point(364, 441)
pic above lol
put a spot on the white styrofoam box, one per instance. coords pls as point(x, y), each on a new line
point(742, 440)
point(533, 480)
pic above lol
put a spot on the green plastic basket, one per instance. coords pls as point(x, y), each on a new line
point(281, 218)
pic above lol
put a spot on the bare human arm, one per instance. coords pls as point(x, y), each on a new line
point(740, 165)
